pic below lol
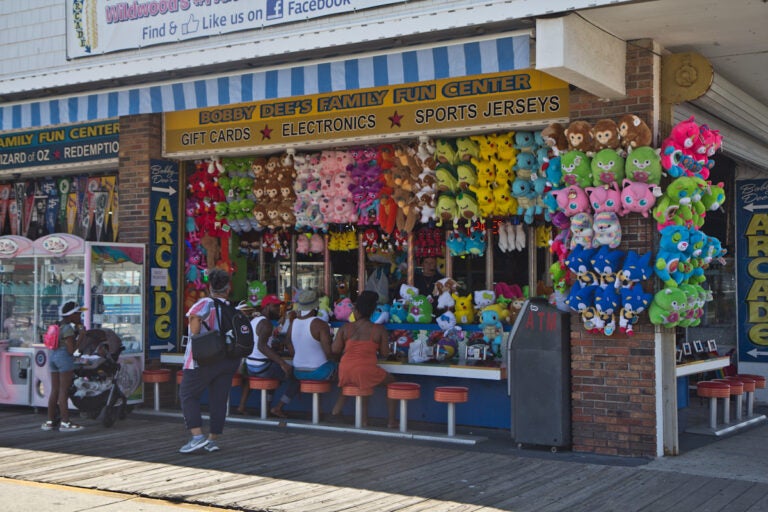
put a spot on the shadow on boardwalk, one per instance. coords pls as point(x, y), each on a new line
point(279, 469)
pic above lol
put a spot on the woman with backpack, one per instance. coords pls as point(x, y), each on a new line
point(62, 365)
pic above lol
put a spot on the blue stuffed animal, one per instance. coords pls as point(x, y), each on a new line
point(492, 330)
point(606, 305)
point(398, 312)
point(636, 268)
point(579, 261)
point(672, 260)
point(633, 302)
point(607, 262)
point(476, 243)
point(582, 300)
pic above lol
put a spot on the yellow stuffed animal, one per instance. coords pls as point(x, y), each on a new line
point(504, 204)
point(485, 200)
point(464, 310)
point(486, 173)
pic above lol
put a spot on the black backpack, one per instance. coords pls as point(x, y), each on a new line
point(236, 328)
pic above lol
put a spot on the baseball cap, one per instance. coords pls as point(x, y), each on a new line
point(270, 299)
point(70, 307)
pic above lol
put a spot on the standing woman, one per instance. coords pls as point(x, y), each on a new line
point(360, 343)
point(216, 377)
point(62, 366)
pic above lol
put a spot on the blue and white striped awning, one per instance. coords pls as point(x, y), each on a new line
point(489, 55)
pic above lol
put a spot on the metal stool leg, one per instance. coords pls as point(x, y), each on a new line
point(726, 410)
point(358, 412)
point(739, 405)
point(263, 404)
point(315, 408)
point(157, 396)
point(451, 419)
point(750, 404)
point(403, 415)
point(712, 413)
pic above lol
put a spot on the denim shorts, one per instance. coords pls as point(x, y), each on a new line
point(61, 361)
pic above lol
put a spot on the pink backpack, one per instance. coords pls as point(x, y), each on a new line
point(51, 337)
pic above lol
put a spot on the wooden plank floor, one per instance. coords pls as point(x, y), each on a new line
point(278, 469)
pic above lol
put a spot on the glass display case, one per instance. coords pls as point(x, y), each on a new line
point(309, 276)
point(36, 278)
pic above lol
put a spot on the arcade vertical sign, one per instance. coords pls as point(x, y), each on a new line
point(752, 269)
point(163, 251)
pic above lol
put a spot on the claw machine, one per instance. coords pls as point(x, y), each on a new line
point(17, 320)
point(114, 295)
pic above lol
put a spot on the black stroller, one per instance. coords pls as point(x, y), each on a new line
point(95, 391)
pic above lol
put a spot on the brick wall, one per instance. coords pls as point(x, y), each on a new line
point(140, 141)
point(613, 377)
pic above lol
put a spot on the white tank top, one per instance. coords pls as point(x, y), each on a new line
point(308, 351)
point(256, 356)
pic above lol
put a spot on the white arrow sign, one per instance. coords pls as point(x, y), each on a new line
point(752, 207)
point(170, 190)
point(167, 347)
point(756, 353)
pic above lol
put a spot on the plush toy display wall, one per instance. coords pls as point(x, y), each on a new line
point(576, 181)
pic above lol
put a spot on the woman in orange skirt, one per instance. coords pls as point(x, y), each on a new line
point(360, 344)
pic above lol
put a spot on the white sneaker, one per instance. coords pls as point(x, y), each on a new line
point(68, 426)
point(194, 444)
point(48, 425)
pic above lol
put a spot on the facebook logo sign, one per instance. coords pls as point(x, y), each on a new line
point(274, 9)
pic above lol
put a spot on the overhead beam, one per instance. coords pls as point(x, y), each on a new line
point(578, 52)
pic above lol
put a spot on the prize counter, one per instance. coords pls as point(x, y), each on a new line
point(488, 406)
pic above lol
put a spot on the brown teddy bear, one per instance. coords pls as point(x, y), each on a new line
point(554, 137)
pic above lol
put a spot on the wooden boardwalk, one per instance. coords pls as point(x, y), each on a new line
point(282, 469)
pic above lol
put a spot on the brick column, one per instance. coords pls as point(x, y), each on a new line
point(613, 388)
point(140, 140)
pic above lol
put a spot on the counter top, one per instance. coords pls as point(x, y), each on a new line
point(706, 365)
point(398, 368)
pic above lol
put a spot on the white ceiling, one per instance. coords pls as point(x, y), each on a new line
point(732, 34)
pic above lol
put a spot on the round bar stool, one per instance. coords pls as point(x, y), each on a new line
point(749, 388)
point(156, 377)
point(264, 385)
point(315, 387)
point(737, 388)
point(403, 391)
point(714, 390)
point(759, 384)
point(451, 395)
point(358, 393)
point(237, 381)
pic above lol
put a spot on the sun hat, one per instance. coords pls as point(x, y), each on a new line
point(270, 299)
point(307, 300)
point(70, 307)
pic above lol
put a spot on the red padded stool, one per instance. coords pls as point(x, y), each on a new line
point(749, 388)
point(156, 377)
point(759, 384)
point(403, 391)
point(451, 395)
point(714, 390)
point(358, 393)
point(315, 387)
point(264, 385)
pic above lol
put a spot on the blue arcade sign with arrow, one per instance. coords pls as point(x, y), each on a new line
point(752, 269)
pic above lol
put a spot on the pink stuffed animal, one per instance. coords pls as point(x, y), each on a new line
point(605, 198)
point(343, 309)
point(572, 200)
point(638, 197)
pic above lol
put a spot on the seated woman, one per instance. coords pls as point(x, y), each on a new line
point(310, 341)
point(360, 343)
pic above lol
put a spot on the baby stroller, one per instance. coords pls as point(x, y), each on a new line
point(94, 388)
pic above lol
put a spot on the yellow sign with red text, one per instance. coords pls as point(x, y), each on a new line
point(470, 103)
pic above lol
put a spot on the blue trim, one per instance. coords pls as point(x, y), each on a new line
point(223, 83)
point(156, 99)
point(270, 87)
point(112, 104)
point(440, 61)
point(134, 102)
point(16, 115)
point(505, 49)
point(297, 81)
point(246, 87)
point(93, 106)
point(55, 114)
point(473, 59)
point(71, 110)
point(351, 74)
point(380, 71)
point(179, 102)
point(324, 82)
point(201, 94)
point(410, 67)
point(36, 114)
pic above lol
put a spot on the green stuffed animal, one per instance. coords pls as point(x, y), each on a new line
point(667, 306)
point(466, 148)
point(607, 167)
point(467, 174)
point(419, 310)
point(643, 164)
point(257, 290)
point(446, 209)
point(467, 206)
point(576, 168)
point(445, 152)
point(447, 178)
